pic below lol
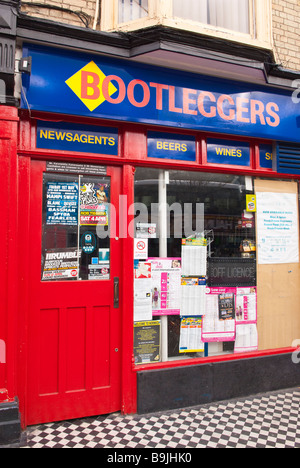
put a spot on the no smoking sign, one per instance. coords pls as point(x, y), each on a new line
point(140, 249)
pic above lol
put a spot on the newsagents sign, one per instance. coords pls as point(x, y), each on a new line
point(95, 86)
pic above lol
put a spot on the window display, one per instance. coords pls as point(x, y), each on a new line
point(204, 290)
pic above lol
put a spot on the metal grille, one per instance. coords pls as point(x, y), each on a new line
point(288, 158)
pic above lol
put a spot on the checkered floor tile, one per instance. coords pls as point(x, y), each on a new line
point(264, 421)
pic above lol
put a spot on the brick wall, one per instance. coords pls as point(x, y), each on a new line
point(286, 33)
point(75, 12)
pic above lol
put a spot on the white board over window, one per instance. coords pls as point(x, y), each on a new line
point(277, 228)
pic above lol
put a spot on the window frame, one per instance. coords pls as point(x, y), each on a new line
point(161, 13)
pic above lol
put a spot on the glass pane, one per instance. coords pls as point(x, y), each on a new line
point(223, 199)
point(229, 14)
point(94, 238)
point(200, 206)
point(75, 234)
point(130, 10)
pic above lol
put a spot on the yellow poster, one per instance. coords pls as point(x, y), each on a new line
point(251, 203)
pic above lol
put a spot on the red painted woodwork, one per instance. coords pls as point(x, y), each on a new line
point(74, 331)
point(8, 258)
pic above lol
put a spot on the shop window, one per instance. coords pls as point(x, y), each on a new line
point(196, 283)
point(228, 14)
point(75, 232)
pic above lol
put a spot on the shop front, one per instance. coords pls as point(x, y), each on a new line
point(159, 223)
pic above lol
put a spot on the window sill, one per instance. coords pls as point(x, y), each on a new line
point(210, 359)
point(192, 26)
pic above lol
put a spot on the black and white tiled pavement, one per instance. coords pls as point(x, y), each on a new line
point(263, 421)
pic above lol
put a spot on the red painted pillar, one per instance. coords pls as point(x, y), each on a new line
point(8, 252)
point(129, 403)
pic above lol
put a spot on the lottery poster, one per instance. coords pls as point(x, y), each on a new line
point(166, 286)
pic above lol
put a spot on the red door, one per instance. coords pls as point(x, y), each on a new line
point(74, 334)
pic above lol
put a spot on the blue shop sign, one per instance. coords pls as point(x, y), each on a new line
point(169, 146)
point(73, 137)
point(266, 156)
point(69, 82)
point(228, 152)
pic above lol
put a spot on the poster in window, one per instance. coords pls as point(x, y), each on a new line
point(193, 299)
point(142, 292)
point(219, 303)
point(277, 228)
point(226, 306)
point(246, 338)
point(166, 286)
point(93, 204)
point(62, 203)
point(246, 305)
point(61, 264)
point(147, 342)
point(191, 335)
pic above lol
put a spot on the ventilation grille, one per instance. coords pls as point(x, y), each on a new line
point(288, 158)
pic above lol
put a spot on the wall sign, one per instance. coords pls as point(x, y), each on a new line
point(72, 137)
point(266, 156)
point(231, 272)
point(73, 168)
point(169, 146)
point(228, 152)
point(101, 87)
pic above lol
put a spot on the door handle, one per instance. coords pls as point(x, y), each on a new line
point(116, 293)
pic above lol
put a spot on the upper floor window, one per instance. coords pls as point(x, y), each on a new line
point(228, 14)
point(130, 10)
point(244, 21)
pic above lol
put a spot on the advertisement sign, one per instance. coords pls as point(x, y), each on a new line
point(191, 335)
point(61, 264)
point(168, 146)
point(147, 342)
point(68, 82)
point(62, 203)
point(73, 137)
point(219, 321)
point(228, 152)
point(93, 210)
point(166, 286)
point(231, 272)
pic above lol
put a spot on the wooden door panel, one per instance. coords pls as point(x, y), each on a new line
point(74, 331)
